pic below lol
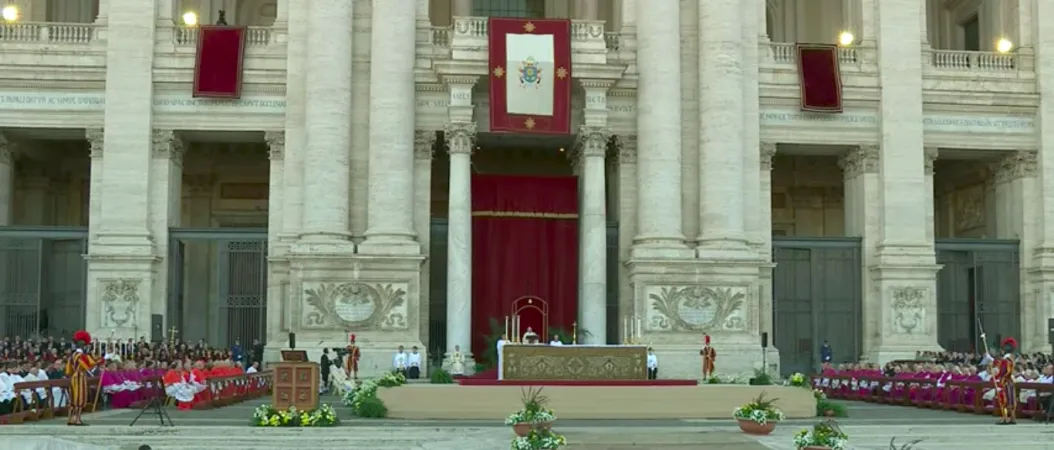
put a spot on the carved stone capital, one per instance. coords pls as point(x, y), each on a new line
point(94, 137)
point(6, 150)
point(275, 144)
point(460, 137)
point(627, 148)
point(929, 157)
point(1017, 165)
point(863, 159)
point(592, 141)
point(424, 144)
point(167, 145)
point(768, 151)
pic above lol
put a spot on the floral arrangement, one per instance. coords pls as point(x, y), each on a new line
point(823, 434)
point(819, 395)
point(798, 379)
point(760, 411)
point(535, 417)
point(364, 390)
point(723, 379)
point(268, 416)
point(391, 379)
point(539, 439)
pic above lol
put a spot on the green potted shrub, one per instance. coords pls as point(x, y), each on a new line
point(822, 436)
point(759, 416)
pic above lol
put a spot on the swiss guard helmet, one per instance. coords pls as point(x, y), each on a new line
point(82, 338)
point(1009, 345)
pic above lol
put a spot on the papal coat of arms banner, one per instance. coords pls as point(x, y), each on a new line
point(530, 75)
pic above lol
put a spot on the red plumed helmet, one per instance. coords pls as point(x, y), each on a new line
point(706, 338)
point(1009, 341)
point(83, 337)
point(353, 338)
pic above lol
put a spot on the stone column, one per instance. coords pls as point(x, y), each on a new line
point(166, 195)
point(7, 181)
point(276, 183)
point(659, 224)
point(766, 152)
point(587, 10)
point(627, 213)
point(390, 208)
point(94, 136)
point(721, 131)
point(930, 157)
point(462, 8)
point(860, 171)
point(424, 144)
point(295, 136)
point(460, 139)
point(1015, 190)
point(1043, 253)
point(592, 225)
point(327, 187)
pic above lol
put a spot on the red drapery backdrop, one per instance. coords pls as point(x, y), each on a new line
point(524, 243)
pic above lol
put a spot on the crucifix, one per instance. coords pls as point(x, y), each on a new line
point(172, 335)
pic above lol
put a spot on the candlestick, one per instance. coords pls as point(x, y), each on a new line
point(640, 330)
point(625, 329)
point(574, 333)
point(516, 328)
point(506, 329)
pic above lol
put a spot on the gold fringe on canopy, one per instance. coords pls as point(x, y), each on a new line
point(525, 215)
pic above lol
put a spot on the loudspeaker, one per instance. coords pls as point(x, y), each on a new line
point(157, 328)
point(764, 340)
point(292, 341)
point(1050, 331)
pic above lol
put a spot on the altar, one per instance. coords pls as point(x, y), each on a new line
point(574, 362)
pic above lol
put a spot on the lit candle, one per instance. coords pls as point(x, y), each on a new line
point(516, 328)
point(640, 329)
point(506, 332)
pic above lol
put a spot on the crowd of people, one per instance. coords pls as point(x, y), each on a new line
point(925, 379)
point(124, 368)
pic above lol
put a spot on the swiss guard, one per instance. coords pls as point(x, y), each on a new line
point(77, 367)
point(1002, 370)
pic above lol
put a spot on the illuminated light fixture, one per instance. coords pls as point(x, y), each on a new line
point(1004, 45)
point(190, 18)
point(10, 13)
point(845, 39)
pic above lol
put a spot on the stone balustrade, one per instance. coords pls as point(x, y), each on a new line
point(967, 61)
point(787, 53)
point(254, 36)
point(467, 39)
point(47, 32)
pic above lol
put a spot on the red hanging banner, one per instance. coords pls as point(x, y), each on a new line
point(530, 75)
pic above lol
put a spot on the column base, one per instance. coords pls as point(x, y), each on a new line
point(390, 244)
point(660, 247)
point(903, 304)
point(121, 294)
point(123, 244)
point(469, 364)
point(322, 246)
point(722, 249)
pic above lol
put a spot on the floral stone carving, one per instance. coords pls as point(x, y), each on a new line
point(909, 309)
point(696, 308)
point(358, 305)
point(120, 302)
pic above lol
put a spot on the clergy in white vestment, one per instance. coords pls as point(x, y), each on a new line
point(413, 364)
point(399, 361)
point(653, 365)
point(530, 337)
point(556, 341)
point(501, 357)
point(457, 361)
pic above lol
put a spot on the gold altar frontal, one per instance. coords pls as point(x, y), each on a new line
point(574, 362)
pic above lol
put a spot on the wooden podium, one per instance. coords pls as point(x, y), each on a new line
point(295, 384)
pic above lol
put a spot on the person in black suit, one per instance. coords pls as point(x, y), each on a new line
point(326, 363)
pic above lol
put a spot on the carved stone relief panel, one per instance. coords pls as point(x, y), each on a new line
point(359, 305)
point(969, 209)
point(120, 302)
point(908, 309)
point(696, 308)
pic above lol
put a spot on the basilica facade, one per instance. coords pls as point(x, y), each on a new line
point(337, 195)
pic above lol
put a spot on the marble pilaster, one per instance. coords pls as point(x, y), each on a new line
point(587, 10)
point(295, 134)
point(905, 269)
point(930, 158)
point(860, 172)
point(627, 212)
point(659, 224)
point(7, 181)
point(275, 193)
point(766, 151)
point(424, 151)
point(390, 211)
point(721, 110)
point(1042, 254)
point(94, 136)
point(1015, 189)
point(462, 8)
point(166, 197)
point(592, 223)
point(460, 139)
point(326, 219)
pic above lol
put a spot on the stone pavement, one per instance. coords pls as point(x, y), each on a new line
point(870, 427)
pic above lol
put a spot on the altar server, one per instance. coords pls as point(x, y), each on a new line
point(413, 362)
point(399, 361)
point(653, 365)
point(556, 341)
point(501, 358)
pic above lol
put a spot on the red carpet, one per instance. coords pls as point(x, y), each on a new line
point(218, 68)
point(820, 78)
point(626, 383)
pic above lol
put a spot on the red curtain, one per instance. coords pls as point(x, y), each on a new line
point(524, 243)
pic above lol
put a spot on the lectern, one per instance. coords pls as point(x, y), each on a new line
point(295, 382)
